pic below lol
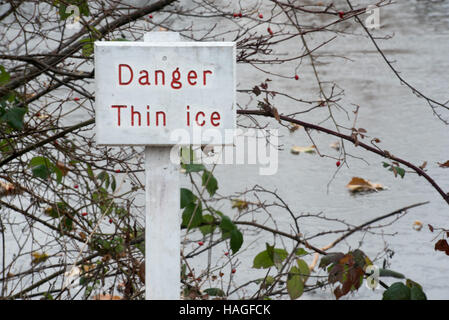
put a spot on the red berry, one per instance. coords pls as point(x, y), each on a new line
point(200, 243)
point(84, 214)
point(76, 99)
point(341, 14)
point(338, 163)
point(235, 15)
point(296, 77)
point(260, 16)
point(110, 220)
point(240, 15)
point(150, 16)
point(270, 31)
point(226, 253)
point(117, 171)
point(75, 186)
point(233, 270)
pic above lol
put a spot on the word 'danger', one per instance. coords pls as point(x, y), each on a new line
point(145, 91)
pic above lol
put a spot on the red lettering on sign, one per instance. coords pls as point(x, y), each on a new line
point(118, 110)
point(197, 122)
point(156, 77)
point(133, 113)
point(157, 117)
point(143, 80)
point(122, 83)
point(215, 116)
point(192, 76)
point(205, 72)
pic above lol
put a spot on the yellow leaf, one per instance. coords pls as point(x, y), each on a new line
point(361, 185)
point(239, 204)
point(298, 150)
point(417, 225)
point(39, 257)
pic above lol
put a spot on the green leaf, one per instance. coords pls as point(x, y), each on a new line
point(210, 182)
point(187, 197)
point(104, 177)
point(332, 257)
point(208, 228)
point(193, 167)
point(41, 167)
point(295, 284)
point(215, 292)
point(88, 46)
point(187, 156)
point(397, 291)
point(226, 225)
point(263, 259)
point(14, 117)
point(59, 174)
point(113, 183)
point(236, 240)
point(82, 5)
point(192, 215)
point(390, 273)
point(303, 268)
point(301, 252)
point(4, 75)
point(416, 293)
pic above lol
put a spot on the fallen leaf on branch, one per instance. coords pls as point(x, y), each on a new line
point(417, 225)
point(298, 150)
point(444, 165)
point(361, 185)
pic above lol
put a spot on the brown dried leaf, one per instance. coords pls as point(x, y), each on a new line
point(442, 245)
point(8, 189)
point(294, 127)
point(276, 114)
point(64, 169)
point(360, 185)
point(444, 165)
point(423, 166)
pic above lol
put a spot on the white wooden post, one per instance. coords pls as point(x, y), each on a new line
point(162, 219)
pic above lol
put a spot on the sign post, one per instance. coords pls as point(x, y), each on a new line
point(162, 93)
